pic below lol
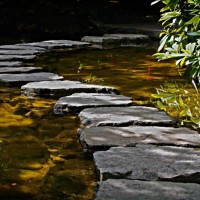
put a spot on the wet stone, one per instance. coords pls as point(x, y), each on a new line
point(113, 189)
point(18, 70)
point(20, 79)
point(56, 44)
point(124, 116)
point(100, 138)
point(79, 101)
point(10, 63)
point(17, 57)
point(62, 88)
point(149, 163)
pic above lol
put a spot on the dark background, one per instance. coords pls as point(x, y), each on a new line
point(26, 20)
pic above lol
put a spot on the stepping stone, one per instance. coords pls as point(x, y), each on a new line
point(18, 70)
point(17, 57)
point(57, 44)
point(130, 39)
point(62, 88)
point(79, 101)
point(101, 138)
point(21, 79)
point(18, 52)
point(123, 189)
point(125, 116)
point(22, 47)
point(149, 163)
point(10, 63)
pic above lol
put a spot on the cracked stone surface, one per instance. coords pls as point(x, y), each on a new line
point(100, 138)
point(62, 88)
point(122, 189)
point(124, 116)
point(18, 70)
point(79, 101)
point(21, 79)
point(150, 163)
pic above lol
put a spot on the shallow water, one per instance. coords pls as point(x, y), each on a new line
point(41, 157)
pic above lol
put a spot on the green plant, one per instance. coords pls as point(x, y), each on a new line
point(180, 38)
point(180, 102)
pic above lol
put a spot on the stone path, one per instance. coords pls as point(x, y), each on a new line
point(137, 152)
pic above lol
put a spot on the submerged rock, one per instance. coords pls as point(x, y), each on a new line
point(79, 101)
point(149, 163)
point(100, 138)
point(62, 88)
point(124, 116)
point(113, 189)
point(20, 79)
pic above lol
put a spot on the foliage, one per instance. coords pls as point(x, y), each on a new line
point(180, 38)
point(180, 102)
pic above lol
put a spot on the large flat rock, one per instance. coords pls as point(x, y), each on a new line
point(18, 52)
point(18, 70)
point(124, 116)
point(10, 63)
point(100, 138)
point(79, 101)
point(122, 189)
point(117, 40)
point(17, 57)
point(22, 47)
point(57, 44)
point(21, 79)
point(149, 162)
point(62, 88)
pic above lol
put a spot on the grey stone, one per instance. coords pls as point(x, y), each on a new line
point(21, 79)
point(124, 116)
point(56, 44)
point(122, 189)
point(130, 39)
point(18, 70)
point(17, 57)
point(79, 101)
point(18, 52)
point(62, 88)
point(101, 40)
point(10, 63)
point(22, 47)
point(149, 162)
point(99, 138)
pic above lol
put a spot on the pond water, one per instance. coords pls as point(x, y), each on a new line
point(41, 157)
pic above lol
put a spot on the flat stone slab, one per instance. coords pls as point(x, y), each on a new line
point(149, 163)
point(124, 116)
point(22, 47)
point(18, 52)
point(63, 88)
point(21, 79)
point(18, 70)
point(56, 44)
point(112, 40)
point(17, 57)
point(10, 63)
point(123, 189)
point(101, 138)
point(79, 101)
